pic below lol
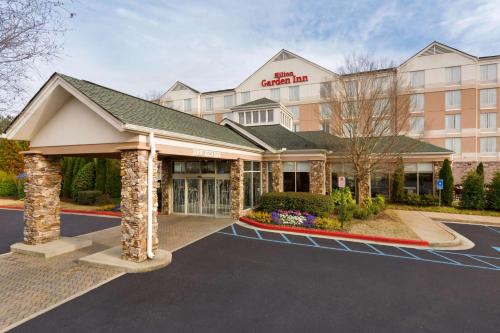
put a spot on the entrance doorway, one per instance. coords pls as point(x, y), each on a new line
point(201, 188)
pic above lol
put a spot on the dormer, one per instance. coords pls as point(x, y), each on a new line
point(263, 111)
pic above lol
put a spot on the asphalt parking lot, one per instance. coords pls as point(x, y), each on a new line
point(245, 283)
point(11, 222)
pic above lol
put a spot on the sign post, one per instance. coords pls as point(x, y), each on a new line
point(439, 187)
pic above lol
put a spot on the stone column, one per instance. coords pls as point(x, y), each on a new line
point(264, 176)
point(328, 178)
point(41, 205)
point(277, 169)
point(134, 206)
point(236, 179)
point(166, 185)
point(317, 177)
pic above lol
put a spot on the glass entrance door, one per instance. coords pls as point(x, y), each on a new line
point(193, 196)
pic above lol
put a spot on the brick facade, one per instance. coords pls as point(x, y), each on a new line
point(134, 172)
point(317, 177)
point(460, 169)
point(41, 206)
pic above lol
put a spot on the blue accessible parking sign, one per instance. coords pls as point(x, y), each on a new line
point(440, 184)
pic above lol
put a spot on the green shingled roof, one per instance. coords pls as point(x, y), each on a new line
point(135, 111)
point(279, 137)
point(258, 102)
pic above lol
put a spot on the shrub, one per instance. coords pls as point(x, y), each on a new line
point(379, 201)
point(448, 188)
point(422, 200)
point(327, 223)
point(8, 186)
point(342, 196)
point(20, 189)
point(316, 204)
point(84, 180)
point(493, 193)
point(113, 179)
point(262, 217)
point(398, 181)
point(346, 212)
point(103, 199)
point(361, 213)
point(473, 191)
point(88, 197)
point(100, 174)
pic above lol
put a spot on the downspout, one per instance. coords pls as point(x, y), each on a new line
point(152, 150)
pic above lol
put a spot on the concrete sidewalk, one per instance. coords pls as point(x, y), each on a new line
point(436, 233)
point(463, 218)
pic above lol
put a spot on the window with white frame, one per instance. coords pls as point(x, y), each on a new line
point(252, 184)
point(383, 126)
point(488, 120)
point(245, 97)
point(241, 118)
point(453, 99)
point(295, 111)
point(453, 121)
point(379, 106)
point(488, 145)
point(270, 116)
point(255, 117)
point(453, 75)
point(294, 93)
point(381, 83)
point(275, 94)
point(296, 176)
point(454, 144)
point(488, 73)
point(417, 102)
point(248, 117)
point(263, 116)
point(325, 110)
point(351, 88)
point(325, 90)
point(417, 125)
point(209, 104)
point(210, 117)
point(417, 79)
point(488, 97)
point(228, 101)
point(187, 105)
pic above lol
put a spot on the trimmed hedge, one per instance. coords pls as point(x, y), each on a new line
point(84, 180)
point(88, 197)
point(316, 204)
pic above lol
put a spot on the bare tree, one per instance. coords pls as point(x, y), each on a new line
point(152, 96)
point(30, 32)
point(370, 110)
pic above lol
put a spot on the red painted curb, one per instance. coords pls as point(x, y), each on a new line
point(74, 211)
point(335, 233)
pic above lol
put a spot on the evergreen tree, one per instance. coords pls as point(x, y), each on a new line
point(398, 181)
point(448, 187)
point(84, 180)
point(100, 175)
point(473, 191)
point(113, 178)
point(480, 170)
point(493, 193)
point(68, 177)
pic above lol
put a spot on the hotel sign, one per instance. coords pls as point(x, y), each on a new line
point(281, 78)
point(207, 153)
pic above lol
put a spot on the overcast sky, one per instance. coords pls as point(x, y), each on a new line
point(143, 46)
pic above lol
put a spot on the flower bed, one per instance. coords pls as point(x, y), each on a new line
point(295, 218)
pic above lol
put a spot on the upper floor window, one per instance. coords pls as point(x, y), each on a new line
point(325, 110)
point(488, 73)
point(417, 125)
point(488, 145)
point(453, 121)
point(209, 104)
point(453, 99)
point(453, 75)
point(241, 118)
point(228, 101)
point(270, 116)
point(381, 84)
point(454, 144)
point(245, 97)
point(187, 105)
point(417, 102)
point(263, 116)
point(488, 98)
point(325, 90)
point(488, 120)
point(417, 79)
point(351, 88)
point(275, 94)
point(294, 93)
point(295, 111)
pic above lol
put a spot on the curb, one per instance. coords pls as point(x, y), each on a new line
point(74, 211)
point(380, 239)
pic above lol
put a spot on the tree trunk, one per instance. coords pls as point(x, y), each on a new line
point(363, 188)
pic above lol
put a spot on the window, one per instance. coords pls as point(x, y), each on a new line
point(379, 184)
point(228, 101)
point(417, 79)
point(417, 125)
point(325, 90)
point(488, 98)
point(453, 75)
point(418, 178)
point(294, 111)
point(325, 110)
point(381, 84)
point(248, 117)
point(269, 176)
point(263, 117)
point(351, 88)
point(270, 116)
point(245, 97)
point(325, 126)
point(488, 145)
point(187, 105)
point(453, 99)
point(453, 122)
point(241, 117)
point(454, 144)
point(296, 127)
point(294, 93)
point(252, 185)
point(488, 73)
point(417, 102)
point(383, 126)
point(296, 176)
point(380, 106)
point(210, 117)
point(209, 104)
point(275, 94)
point(255, 117)
point(488, 120)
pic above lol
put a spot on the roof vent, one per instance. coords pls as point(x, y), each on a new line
point(179, 86)
point(284, 55)
point(433, 50)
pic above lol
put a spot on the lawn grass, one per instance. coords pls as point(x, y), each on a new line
point(444, 209)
